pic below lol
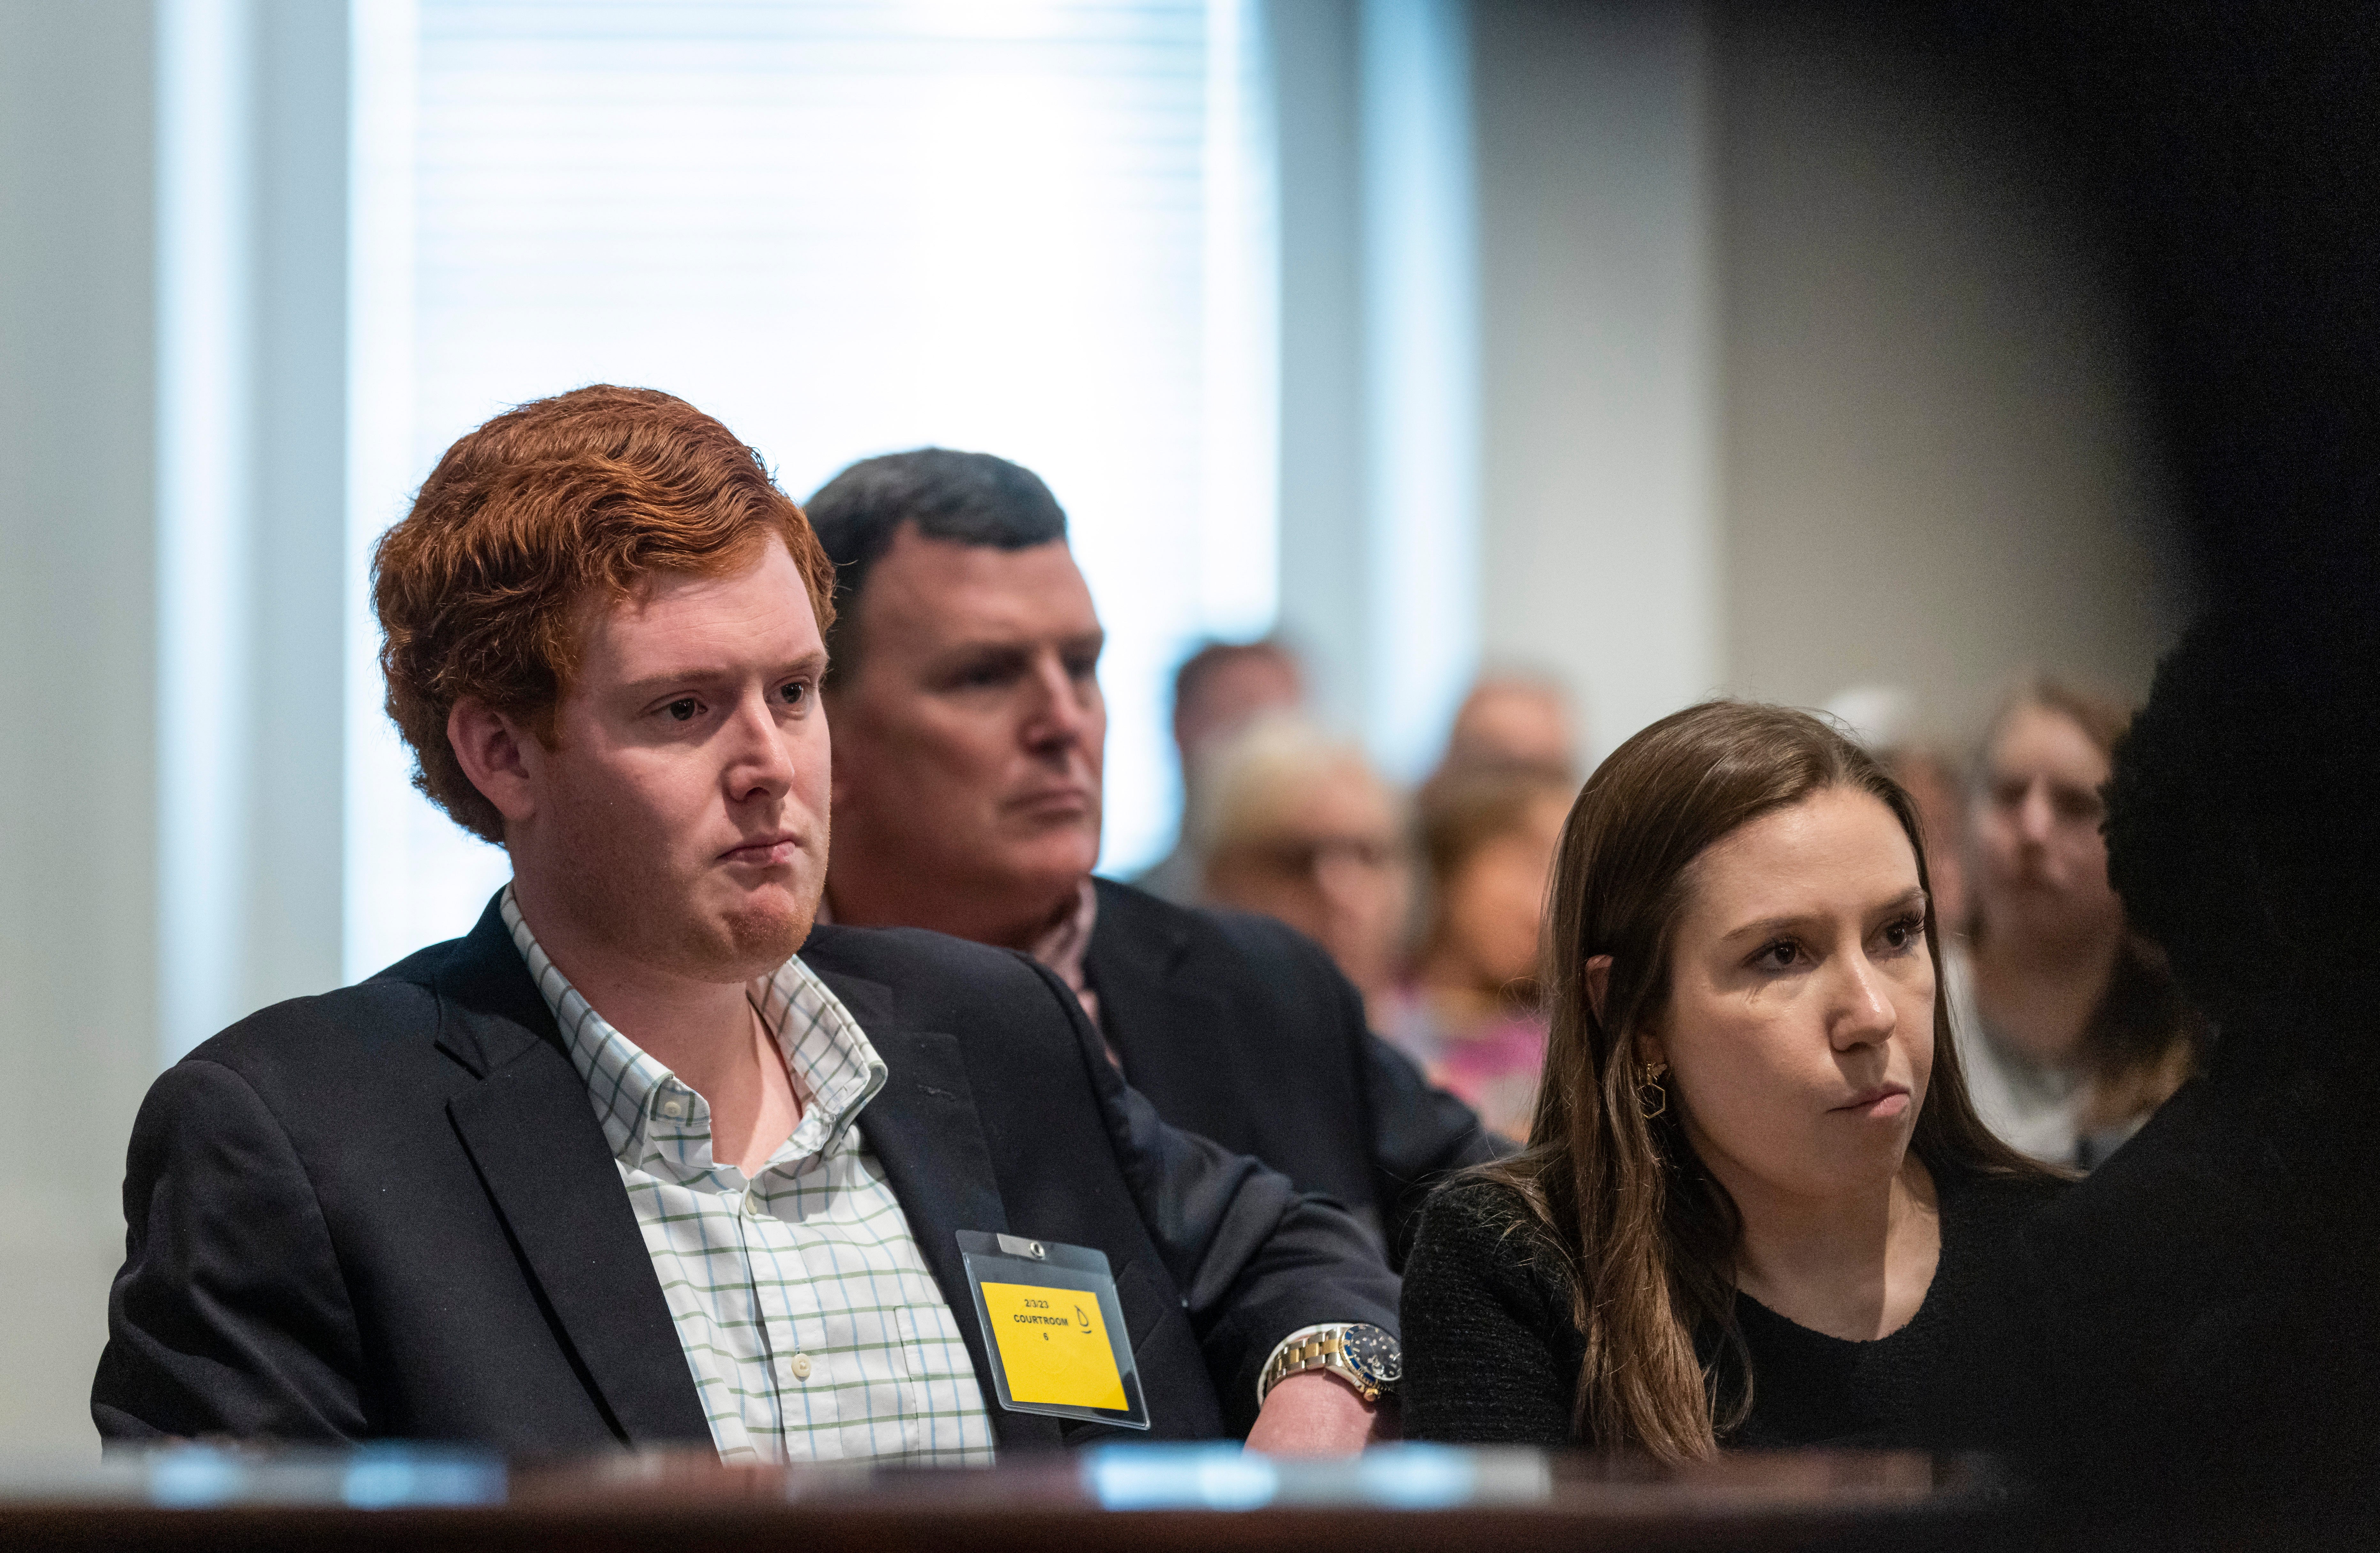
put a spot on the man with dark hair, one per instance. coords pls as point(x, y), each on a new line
point(1223, 686)
point(969, 733)
point(621, 1167)
point(965, 498)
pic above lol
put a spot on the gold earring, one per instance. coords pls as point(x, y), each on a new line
point(1652, 1099)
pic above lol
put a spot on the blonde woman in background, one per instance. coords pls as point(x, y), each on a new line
point(2076, 1032)
point(1297, 826)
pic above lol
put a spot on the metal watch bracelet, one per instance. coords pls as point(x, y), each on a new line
point(1328, 1347)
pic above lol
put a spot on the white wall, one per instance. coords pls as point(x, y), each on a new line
point(1600, 552)
point(1315, 49)
point(1421, 352)
point(1797, 375)
point(171, 350)
point(1379, 402)
point(252, 347)
point(77, 842)
point(1934, 466)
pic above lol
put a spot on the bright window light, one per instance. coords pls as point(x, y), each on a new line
point(1038, 228)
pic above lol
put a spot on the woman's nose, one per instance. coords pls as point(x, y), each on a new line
point(1867, 1014)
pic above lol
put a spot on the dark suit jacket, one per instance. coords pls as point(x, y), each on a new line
point(391, 1211)
point(1241, 1029)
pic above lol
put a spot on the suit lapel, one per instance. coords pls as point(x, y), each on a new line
point(531, 1132)
point(924, 1130)
point(1157, 1021)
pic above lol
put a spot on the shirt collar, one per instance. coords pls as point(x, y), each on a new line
point(1065, 943)
point(654, 1122)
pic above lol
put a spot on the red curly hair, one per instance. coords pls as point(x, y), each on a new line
point(588, 492)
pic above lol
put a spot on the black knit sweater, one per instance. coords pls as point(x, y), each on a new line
point(1492, 1357)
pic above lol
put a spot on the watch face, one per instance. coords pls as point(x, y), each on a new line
point(1373, 1355)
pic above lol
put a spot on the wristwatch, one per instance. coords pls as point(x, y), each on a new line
point(1361, 1354)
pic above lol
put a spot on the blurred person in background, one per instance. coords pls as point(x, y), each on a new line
point(1219, 690)
point(1513, 718)
point(1469, 1012)
point(969, 733)
point(1882, 720)
point(2077, 1031)
point(1931, 780)
point(1302, 829)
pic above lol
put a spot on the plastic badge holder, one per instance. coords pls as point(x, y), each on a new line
point(1053, 1329)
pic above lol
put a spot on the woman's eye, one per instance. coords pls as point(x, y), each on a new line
point(1779, 957)
point(683, 709)
point(1905, 932)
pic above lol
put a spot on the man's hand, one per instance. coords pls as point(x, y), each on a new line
point(1316, 1413)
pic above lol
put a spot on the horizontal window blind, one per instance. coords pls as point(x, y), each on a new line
point(1032, 228)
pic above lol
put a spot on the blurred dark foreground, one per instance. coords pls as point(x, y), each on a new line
point(1147, 1498)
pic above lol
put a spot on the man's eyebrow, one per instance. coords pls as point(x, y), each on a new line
point(983, 647)
point(719, 673)
point(1025, 644)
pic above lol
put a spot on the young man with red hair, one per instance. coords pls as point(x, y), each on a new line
point(621, 1166)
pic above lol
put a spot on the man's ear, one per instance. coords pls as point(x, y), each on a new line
point(1598, 982)
point(498, 755)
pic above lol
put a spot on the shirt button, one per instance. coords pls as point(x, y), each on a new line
point(801, 1366)
point(755, 1204)
point(673, 1108)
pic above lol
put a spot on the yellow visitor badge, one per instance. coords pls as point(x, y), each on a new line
point(1051, 1356)
point(1055, 1333)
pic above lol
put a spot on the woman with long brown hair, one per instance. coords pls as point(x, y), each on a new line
point(1758, 1208)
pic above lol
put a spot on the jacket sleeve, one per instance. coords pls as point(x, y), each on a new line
point(1483, 1366)
point(230, 1315)
point(1255, 1259)
point(1419, 1133)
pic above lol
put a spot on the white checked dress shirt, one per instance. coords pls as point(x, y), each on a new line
point(810, 1318)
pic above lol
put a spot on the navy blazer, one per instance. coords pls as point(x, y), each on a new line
point(390, 1211)
point(1243, 1030)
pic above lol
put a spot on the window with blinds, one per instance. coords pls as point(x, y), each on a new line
point(1035, 228)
